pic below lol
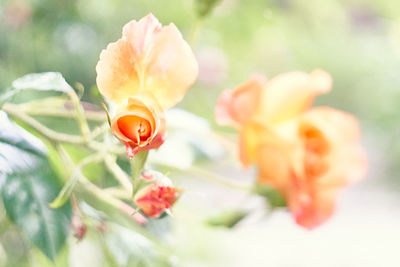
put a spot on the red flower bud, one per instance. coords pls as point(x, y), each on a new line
point(158, 196)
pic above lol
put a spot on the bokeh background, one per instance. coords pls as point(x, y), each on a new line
point(357, 41)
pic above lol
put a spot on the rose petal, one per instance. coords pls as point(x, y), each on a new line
point(347, 159)
point(140, 123)
point(235, 107)
point(290, 94)
point(149, 57)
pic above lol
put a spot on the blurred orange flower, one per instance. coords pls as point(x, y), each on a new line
point(157, 197)
point(306, 153)
point(152, 61)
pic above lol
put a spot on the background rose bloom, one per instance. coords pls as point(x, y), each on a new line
point(152, 61)
point(306, 154)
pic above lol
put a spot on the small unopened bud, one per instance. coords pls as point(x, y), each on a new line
point(157, 197)
point(78, 227)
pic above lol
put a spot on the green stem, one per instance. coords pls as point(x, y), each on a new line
point(217, 179)
point(118, 192)
point(64, 113)
point(137, 165)
point(118, 173)
point(80, 115)
point(46, 132)
point(57, 137)
point(95, 190)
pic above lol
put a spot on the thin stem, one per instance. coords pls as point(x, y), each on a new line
point(99, 130)
point(46, 132)
point(90, 115)
point(137, 165)
point(118, 173)
point(217, 179)
point(80, 115)
point(114, 202)
point(95, 190)
point(59, 137)
point(118, 192)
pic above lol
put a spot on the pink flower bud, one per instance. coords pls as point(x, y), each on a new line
point(158, 196)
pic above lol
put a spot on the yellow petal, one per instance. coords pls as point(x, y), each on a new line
point(150, 58)
point(290, 94)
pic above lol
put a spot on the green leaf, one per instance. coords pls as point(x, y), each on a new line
point(204, 7)
point(227, 218)
point(274, 198)
point(27, 185)
point(47, 81)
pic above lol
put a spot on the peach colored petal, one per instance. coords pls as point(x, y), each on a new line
point(117, 77)
point(311, 209)
point(250, 141)
point(332, 158)
point(347, 160)
point(290, 94)
point(235, 107)
point(149, 57)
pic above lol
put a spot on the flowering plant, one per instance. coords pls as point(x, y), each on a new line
point(303, 155)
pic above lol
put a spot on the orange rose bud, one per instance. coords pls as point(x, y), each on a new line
point(307, 154)
point(146, 71)
point(139, 124)
point(157, 197)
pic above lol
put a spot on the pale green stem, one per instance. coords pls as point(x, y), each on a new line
point(46, 132)
point(94, 189)
point(80, 115)
point(137, 165)
point(54, 136)
point(99, 130)
point(90, 115)
point(118, 192)
point(217, 179)
point(135, 178)
point(118, 173)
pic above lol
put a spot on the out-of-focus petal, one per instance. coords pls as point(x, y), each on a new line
point(347, 160)
point(149, 57)
point(311, 209)
point(235, 107)
point(331, 158)
point(290, 94)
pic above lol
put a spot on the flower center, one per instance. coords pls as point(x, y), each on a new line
point(135, 128)
point(316, 148)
